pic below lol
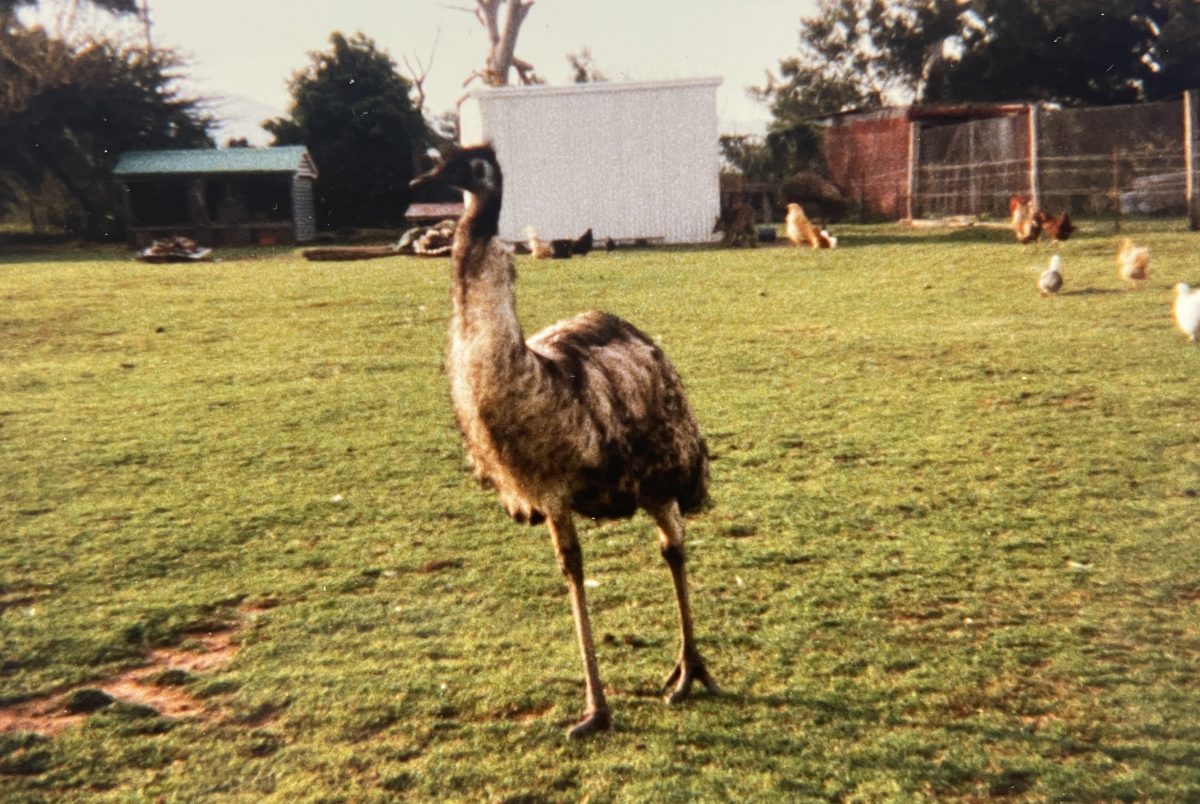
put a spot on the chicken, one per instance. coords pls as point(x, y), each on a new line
point(736, 226)
point(1057, 228)
point(1025, 224)
point(1133, 262)
point(583, 244)
point(1187, 310)
point(801, 231)
point(540, 249)
point(1051, 281)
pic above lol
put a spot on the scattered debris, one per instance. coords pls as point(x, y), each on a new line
point(428, 241)
point(175, 249)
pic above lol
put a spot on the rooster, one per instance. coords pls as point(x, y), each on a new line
point(1057, 228)
point(1025, 222)
point(1133, 262)
point(583, 244)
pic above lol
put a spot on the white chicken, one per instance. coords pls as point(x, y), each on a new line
point(1051, 281)
point(1133, 262)
point(1187, 310)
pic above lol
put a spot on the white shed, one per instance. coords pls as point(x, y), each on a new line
point(628, 160)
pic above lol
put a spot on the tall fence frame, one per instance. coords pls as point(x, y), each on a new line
point(1098, 161)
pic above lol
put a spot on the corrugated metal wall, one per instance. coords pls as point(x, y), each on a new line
point(629, 160)
point(303, 210)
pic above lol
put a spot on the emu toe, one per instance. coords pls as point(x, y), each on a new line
point(686, 671)
point(591, 723)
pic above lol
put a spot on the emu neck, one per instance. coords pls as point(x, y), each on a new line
point(485, 305)
point(481, 215)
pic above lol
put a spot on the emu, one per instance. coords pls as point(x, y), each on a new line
point(587, 416)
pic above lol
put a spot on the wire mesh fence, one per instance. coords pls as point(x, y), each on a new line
point(1099, 161)
point(973, 167)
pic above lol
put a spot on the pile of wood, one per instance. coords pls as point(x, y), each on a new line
point(175, 249)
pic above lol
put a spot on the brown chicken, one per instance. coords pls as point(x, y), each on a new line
point(1058, 228)
point(1025, 224)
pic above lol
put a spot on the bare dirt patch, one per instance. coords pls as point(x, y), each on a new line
point(157, 683)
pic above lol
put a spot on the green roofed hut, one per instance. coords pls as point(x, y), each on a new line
point(229, 196)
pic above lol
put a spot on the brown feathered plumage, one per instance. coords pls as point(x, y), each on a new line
point(587, 415)
point(1025, 224)
point(1057, 228)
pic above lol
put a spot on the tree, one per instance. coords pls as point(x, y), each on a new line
point(76, 110)
point(583, 68)
point(854, 54)
point(353, 111)
point(1073, 51)
point(861, 54)
point(502, 35)
point(780, 155)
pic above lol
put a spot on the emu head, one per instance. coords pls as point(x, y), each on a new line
point(473, 169)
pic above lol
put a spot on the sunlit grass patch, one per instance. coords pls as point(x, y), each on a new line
point(953, 550)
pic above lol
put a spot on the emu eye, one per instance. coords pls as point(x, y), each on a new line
point(482, 173)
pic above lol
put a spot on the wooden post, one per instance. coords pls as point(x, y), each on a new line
point(914, 137)
point(972, 173)
point(1034, 179)
point(1116, 187)
point(1189, 157)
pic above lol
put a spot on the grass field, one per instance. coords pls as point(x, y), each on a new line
point(953, 554)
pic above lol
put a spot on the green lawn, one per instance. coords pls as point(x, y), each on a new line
point(953, 554)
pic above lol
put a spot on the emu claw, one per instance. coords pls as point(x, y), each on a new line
point(591, 723)
point(686, 671)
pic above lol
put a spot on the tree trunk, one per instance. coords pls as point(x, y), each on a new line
point(502, 40)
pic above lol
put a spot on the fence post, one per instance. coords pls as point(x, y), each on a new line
point(1034, 180)
point(913, 156)
point(1189, 157)
point(1116, 187)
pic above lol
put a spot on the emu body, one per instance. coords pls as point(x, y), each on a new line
point(587, 416)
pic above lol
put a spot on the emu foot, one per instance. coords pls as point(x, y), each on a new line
point(591, 723)
point(686, 671)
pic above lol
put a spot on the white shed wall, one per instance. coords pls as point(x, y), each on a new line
point(627, 160)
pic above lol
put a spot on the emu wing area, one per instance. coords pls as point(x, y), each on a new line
point(638, 443)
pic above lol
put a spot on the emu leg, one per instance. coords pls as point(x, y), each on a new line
point(690, 665)
point(570, 561)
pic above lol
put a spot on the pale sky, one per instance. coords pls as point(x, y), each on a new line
point(242, 52)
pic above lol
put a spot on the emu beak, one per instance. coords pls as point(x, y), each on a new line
point(433, 175)
point(429, 177)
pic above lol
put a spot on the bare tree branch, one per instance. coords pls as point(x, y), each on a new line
point(421, 72)
point(502, 40)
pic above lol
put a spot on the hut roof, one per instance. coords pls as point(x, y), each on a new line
point(293, 159)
